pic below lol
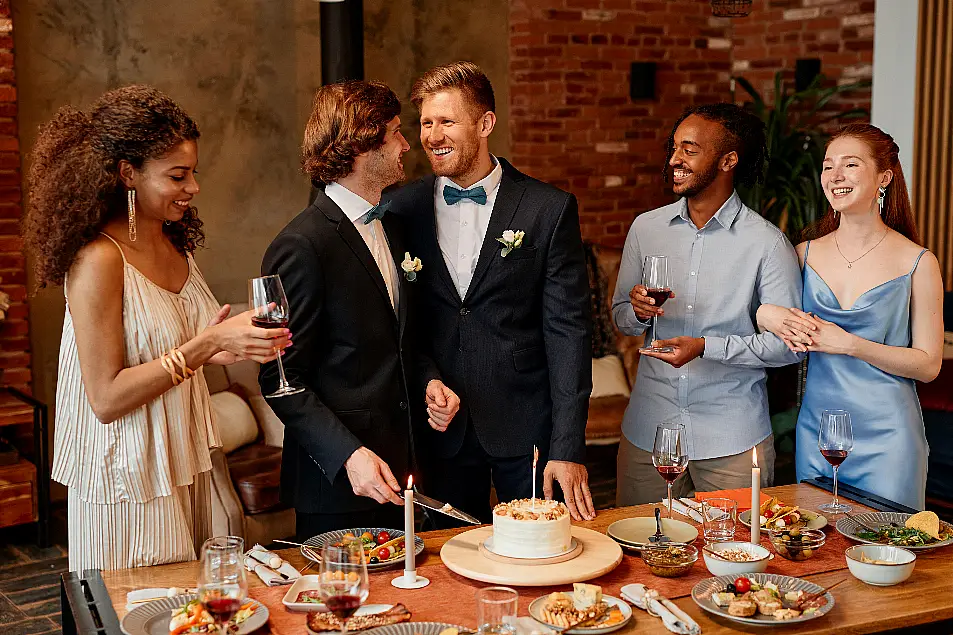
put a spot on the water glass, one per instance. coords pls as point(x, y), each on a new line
point(496, 610)
point(719, 516)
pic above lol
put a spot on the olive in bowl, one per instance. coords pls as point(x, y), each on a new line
point(670, 561)
point(797, 544)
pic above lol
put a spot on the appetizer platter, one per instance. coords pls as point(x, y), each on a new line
point(917, 532)
point(185, 615)
point(383, 548)
point(370, 616)
point(763, 599)
point(585, 611)
point(777, 515)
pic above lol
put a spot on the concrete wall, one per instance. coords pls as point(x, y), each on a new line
point(245, 70)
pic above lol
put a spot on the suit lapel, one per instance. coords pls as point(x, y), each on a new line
point(352, 239)
point(504, 209)
point(426, 196)
point(395, 238)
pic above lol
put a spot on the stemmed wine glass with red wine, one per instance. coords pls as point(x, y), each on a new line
point(835, 439)
point(658, 285)
point(668, 455)
point(222, 586)
point(267, 297)
point(343, 585)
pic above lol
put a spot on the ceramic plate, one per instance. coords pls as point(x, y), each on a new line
point(702, 591)
point(152, 618)
point(536, 611)
point(814, 520)
point(317, 542)
point(849, 528)
point(634, 532)
point(413, 628)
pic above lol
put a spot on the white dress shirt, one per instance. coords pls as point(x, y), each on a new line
point(461, 227)
point(355, 207)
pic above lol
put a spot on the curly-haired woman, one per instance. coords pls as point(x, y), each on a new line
point(111, 219)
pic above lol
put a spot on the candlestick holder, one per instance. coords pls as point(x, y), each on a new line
point(410, 580)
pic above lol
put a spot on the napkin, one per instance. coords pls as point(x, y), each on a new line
point(528, 626)
point(741, 496)
point(681, 508)
point(674, 618)
point(272, 570)
point(138, 597)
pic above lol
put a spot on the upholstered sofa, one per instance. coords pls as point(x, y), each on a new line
point(615, 356)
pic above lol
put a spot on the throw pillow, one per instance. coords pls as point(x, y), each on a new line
point(237, 426)
point(608, 377)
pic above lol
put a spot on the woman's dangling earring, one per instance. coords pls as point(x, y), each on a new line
point(882, 195)
point(131, 201)
point(166, 222)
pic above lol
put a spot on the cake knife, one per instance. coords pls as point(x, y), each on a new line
point(444, 508)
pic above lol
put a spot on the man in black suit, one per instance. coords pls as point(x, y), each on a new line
point(348, 433)
point(507, 324)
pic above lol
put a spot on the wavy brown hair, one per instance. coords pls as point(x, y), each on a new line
point(897, 212)
point(74, 182)
point(347, 120)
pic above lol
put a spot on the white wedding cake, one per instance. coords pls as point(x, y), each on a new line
point(527, 529)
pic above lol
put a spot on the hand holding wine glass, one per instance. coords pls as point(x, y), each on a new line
point(835, 440)
point(343, 582)
point(658, 286)
point(222, 586)
point(668, 455)
point(269, 305)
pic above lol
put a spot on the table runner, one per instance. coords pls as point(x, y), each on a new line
point(450, 597)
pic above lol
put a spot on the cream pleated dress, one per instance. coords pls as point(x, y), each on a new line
point(138, 487)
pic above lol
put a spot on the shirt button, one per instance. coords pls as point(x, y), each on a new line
point(693, 273)
point(464, 311)
point(464, 223)
point(698, 235)
point(689, 307)
point(685, 410)
point(684, 377)
point(403, 405)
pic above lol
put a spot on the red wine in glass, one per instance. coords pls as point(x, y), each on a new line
point(343, 606)
point(670, 472)
point(270, 322)
point(835, 457)
point(659, 295)
point(222, 609)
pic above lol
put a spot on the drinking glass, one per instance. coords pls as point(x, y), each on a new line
point(835, 440)
point(221, 585)
point(668, 455)
point(719, 516)
point(343, 583)
point(658, 284)
point(267, 297)
point(496, 610)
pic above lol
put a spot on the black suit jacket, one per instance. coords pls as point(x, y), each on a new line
point(517, 348)
point(351, 353)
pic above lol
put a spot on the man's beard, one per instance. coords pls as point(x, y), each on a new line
point(700, 182)
point(464, 157)
point(385, 171)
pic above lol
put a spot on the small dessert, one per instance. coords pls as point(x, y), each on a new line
point(742, 607)
point(786, 614)
point(584, 605)
point(531, 528)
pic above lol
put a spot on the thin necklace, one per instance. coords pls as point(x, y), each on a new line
point(850, 263)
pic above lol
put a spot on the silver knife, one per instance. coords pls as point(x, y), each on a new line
point(444, 508)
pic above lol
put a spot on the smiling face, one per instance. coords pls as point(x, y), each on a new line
point(385, 165)
point(696, 155)
point(165, 185)
point(452, 133)
point(850, 177)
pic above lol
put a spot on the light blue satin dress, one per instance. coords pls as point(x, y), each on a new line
point(890, 446)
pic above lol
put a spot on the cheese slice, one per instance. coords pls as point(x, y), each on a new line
point(586, 595)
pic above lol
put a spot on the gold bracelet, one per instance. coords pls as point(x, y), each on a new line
point(179, 358)
point(169, 367)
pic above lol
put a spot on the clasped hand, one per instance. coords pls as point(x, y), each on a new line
point(804, 332)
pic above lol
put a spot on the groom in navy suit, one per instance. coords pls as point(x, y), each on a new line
point(503, 307)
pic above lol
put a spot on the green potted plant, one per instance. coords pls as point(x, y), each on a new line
point(791, 196)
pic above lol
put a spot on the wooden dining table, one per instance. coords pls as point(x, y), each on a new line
point(922, 604)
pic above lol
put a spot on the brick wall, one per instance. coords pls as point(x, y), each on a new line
point(14, 330)
point(573, 124)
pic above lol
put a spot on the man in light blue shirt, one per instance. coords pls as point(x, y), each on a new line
point(725, 260)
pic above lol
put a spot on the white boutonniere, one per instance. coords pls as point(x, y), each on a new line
point(510, 240)
point(411, 266)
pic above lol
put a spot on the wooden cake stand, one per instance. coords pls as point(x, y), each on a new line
point(463, 555)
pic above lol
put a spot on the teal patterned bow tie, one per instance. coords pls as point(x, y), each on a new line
point(376, 212)
point(476, 194)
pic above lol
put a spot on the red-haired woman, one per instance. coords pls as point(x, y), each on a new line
point(111, 219)
point(872, 320)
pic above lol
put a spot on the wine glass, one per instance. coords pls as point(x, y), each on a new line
point(267, 297)
point(658, 284)
point(835, 439)
point(222, 586)
point(668, 455)
point(343, 585)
